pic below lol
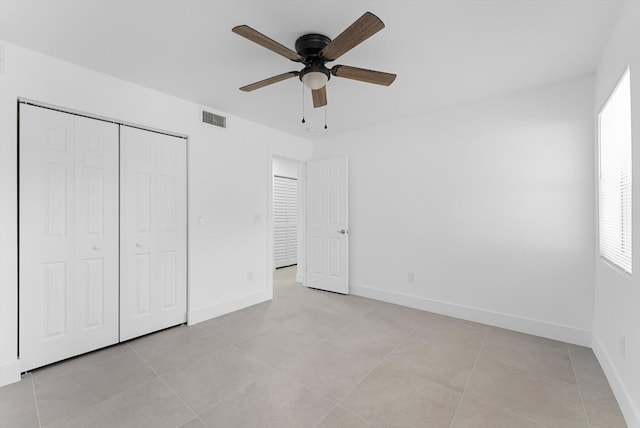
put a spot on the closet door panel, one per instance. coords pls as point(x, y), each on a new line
point(137, 240)
point(172, 229)
point(66, 287)
point(96, 207)
point(153, 232)
point(45, 236)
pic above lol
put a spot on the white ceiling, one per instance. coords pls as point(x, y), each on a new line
point(444, 52)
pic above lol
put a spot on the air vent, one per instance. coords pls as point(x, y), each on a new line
point(214, 119)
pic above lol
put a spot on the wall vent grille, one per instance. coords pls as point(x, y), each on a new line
point(214, 119)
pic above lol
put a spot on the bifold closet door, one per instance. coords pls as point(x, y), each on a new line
point(153, 231)
point(68, 235)
point(285, 221)
point(292, 222)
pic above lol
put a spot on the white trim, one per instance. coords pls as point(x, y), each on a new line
point(302, 225)
point(97, 117)
point(223, 308)
point(301, 272)
point(541, 328)
point(10, 372)
point(629, 409)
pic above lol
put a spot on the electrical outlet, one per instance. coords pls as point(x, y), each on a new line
point(411, 277)
point(623, 345)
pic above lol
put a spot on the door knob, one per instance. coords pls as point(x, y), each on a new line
point(342, 231)
point(139, 245)
point(96, 247)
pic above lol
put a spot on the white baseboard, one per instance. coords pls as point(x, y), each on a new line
point(9, 372)
point(546, 329)
point(627, 406)
point(203, 314)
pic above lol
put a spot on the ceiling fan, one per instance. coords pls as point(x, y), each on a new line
point(315, 50)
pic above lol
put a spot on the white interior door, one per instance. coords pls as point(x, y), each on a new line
point(68, 235)
point(328, 225)
point(153, 231)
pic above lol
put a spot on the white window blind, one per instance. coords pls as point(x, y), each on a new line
point(615, 176)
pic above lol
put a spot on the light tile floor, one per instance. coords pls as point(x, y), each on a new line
point(316, 359)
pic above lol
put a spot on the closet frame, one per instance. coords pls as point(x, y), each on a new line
point(183, 226)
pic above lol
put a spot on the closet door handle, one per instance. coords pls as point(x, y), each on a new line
point(96, 248)
point(139, 245)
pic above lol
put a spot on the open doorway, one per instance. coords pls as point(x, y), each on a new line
point(287, 215)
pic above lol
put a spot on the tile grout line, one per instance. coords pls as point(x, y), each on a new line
point(75, 413)
point(35, 397)
point(215, 403)
point(404, 339)
point(267, 373)
point(226, 343)
point(355, 414)
point(167, 385)
point(113, 397)
point(325, 416)
point(283, 362)
point(252, 357)
point(332, 409)
point(70, 360)
point(251, 336)
point(231, 346)
point(337, 403)
point(381, 361)
point(466, 385)
point(573, 367)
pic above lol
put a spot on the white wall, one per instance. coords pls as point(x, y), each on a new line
point(285, 167)
point(490, 205)
point(229, 183)
point(617, 296)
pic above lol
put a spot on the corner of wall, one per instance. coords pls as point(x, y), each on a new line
point(627, 406)
point(203, 314)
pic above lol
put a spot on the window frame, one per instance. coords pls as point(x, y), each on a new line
point(607, 260)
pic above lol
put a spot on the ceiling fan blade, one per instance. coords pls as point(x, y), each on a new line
point(364, 27)
point(319, 97)
point(269, 81)
point(264, 41)
point(363, 75)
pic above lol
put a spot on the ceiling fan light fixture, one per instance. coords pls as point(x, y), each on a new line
point(315, 80)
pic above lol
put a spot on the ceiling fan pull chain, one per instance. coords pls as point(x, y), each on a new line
point(325, 116)
point(303, 121)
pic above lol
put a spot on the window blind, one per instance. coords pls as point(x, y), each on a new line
point(615, 176)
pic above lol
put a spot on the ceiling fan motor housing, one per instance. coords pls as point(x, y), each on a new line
point(309, 47)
